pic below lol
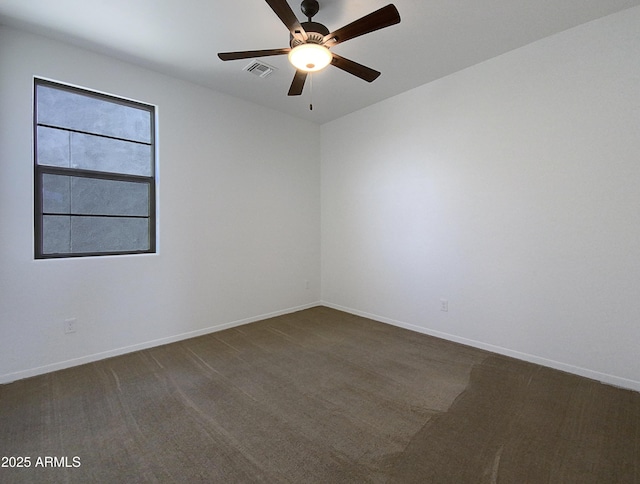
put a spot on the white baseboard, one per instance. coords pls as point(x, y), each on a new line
point(19, 375)
point(558, 365)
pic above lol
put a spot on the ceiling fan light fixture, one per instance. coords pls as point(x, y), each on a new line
point(309, 42)
point(310, 57)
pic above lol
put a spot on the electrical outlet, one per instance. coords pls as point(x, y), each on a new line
point(70, 325)
point(444, 305)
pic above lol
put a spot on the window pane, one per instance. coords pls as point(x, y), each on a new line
point(106, 234)
point(110, 155)
point(56, 236)
point(56, 194)
point(94, 196)
point(53, 147)
point(72, 110)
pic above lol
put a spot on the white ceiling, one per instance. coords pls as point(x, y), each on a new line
point(182, 37)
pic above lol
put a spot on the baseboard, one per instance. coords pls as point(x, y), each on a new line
point(558, 365)
point(10, 377)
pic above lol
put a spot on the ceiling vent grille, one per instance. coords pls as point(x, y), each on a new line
point(259, 69)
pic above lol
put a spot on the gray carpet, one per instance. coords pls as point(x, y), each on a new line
point(318, 396)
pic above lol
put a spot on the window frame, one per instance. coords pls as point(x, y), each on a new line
point(41, 170)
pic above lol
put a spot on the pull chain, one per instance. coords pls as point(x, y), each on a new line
point(311, 91)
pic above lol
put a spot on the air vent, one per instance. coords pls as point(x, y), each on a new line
point(259, 69)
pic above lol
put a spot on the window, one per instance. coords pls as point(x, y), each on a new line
point(94, 173)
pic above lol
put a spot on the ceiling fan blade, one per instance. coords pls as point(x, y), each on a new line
point(384, 17)
point(289, 19)
point(225, 56)
point(298, 83)
point(358, 70)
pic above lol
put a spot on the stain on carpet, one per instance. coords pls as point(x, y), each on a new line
point(522, 423)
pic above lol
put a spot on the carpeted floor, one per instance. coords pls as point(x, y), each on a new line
point(317, 396)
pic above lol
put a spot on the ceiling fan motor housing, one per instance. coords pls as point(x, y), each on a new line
point(315, 34)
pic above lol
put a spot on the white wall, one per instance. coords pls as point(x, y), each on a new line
point(511, 189)
point(239, 218)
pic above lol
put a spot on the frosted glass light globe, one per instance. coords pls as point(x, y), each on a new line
point(310, 57)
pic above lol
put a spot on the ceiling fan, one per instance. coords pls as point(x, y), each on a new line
point(310, 41)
